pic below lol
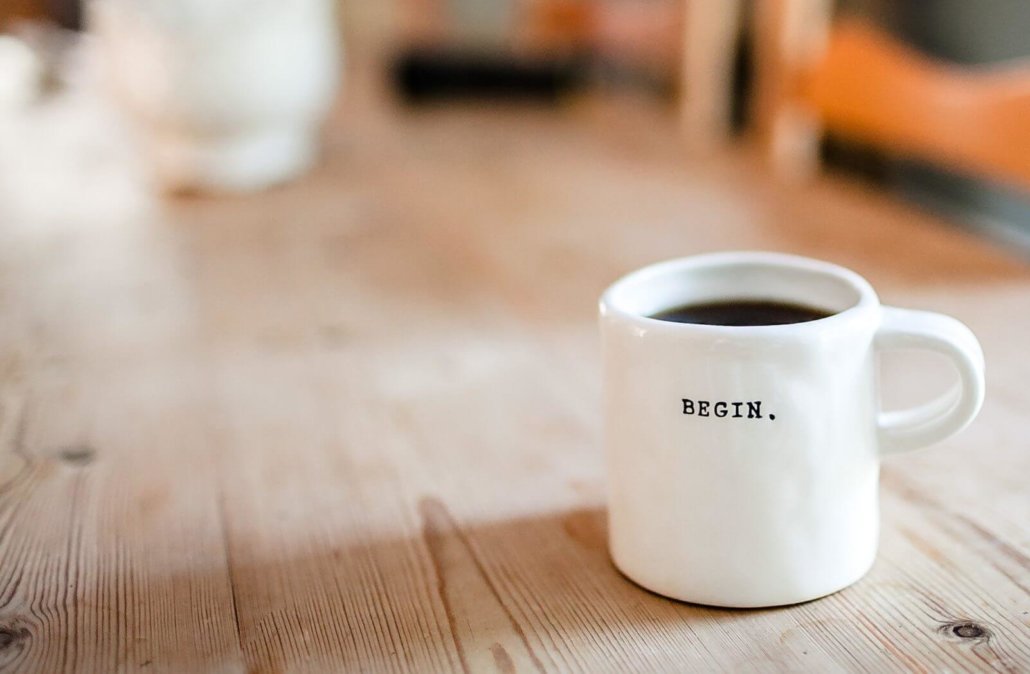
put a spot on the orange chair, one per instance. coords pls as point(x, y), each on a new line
point(12, 11)
point(855, 80)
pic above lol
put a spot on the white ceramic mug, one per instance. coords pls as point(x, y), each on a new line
point(744, 461)
point(226, 95)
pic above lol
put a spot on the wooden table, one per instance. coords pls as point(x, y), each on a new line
point(352, 424)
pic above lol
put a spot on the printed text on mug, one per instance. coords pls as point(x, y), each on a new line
point(745, 409)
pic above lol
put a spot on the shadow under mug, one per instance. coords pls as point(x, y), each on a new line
point(770, 496)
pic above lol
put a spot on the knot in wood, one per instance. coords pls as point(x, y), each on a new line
point(11, 636)
point(968, 631)
point(77, 455)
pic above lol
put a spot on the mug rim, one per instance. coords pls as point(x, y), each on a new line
point(867, 298)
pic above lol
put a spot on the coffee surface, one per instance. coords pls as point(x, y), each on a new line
point(742, 312)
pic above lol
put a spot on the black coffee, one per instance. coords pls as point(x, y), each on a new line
point(742, 313)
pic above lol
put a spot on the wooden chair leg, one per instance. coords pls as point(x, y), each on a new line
point(788, 34)
point(710, 35)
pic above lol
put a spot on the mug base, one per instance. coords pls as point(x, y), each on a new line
point(242, 163)
point(727, 601)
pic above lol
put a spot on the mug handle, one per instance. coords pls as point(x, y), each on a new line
point(933, 421)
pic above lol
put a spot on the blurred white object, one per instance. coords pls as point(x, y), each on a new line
point(21, 73)
point(227, 94)
point(65, 156)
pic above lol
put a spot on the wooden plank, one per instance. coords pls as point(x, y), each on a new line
point(107, 518)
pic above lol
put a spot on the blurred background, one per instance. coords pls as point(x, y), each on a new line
point(126, 99)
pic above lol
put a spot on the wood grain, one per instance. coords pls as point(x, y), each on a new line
point(351, 424)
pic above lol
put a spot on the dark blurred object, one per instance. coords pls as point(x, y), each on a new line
point(433, 73)
point(537, 48)
point(66, 13)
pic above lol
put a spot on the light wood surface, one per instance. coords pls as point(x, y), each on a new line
point(352, 424)
point(856, 80)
